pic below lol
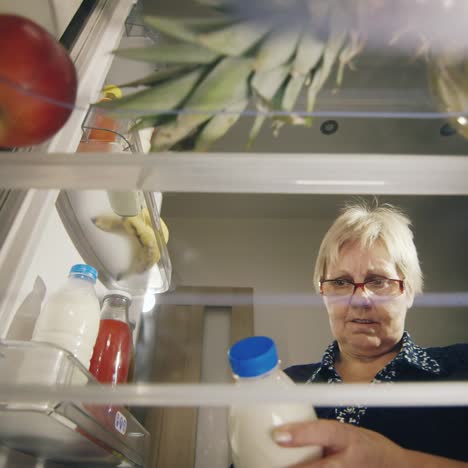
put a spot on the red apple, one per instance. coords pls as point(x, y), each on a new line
point(38, 83)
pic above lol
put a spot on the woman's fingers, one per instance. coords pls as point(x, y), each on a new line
point(343, 445)
point(331, 435)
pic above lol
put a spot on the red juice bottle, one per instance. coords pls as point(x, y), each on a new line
point(113, 350)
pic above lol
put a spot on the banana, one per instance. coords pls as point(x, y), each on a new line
point(149, 253)
point(139, 230)
point(165, 231)
point(108, 223)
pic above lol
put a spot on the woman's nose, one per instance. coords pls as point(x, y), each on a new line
point(360, 297)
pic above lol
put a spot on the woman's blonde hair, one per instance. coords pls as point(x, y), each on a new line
point(366, 223)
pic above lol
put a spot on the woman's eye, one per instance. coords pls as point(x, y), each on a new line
point(378, 282)
point(340, 283)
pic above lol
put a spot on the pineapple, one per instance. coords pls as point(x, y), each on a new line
point(221, 65)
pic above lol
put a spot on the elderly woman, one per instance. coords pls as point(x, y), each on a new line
point(368, 273)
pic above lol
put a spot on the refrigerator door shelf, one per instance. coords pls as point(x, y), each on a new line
point(62, 431)
point(129, 252)
point(100, 126)
point(118, 232)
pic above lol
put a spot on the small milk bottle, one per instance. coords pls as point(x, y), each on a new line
point(254, 363)
point(113, 350)
point(70, 317)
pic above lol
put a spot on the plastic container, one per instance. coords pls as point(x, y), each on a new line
point(118, 251)
point(62, 431)
point(254, 362)
point(103, 133)
point(96, 146)
point(104, 127)
point(112, 355)
point(126, 203)
point(70, 317)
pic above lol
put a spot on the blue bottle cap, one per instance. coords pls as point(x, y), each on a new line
point(84, 270)
point(253, 356)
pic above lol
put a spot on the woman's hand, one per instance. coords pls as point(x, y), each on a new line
point(348, 446)
point(343, 445)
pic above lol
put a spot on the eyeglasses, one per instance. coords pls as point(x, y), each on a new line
point(378, 286)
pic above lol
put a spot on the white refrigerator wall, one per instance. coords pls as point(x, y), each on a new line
point(270, 243)
point(48, 270)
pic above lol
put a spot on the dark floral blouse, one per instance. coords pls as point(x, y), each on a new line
point(438, 430)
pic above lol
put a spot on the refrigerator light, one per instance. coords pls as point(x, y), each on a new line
point(149, 302)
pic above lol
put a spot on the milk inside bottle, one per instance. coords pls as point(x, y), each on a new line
point(70, 317)
point(254, 363)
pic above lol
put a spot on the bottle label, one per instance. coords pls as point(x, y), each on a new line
point(120, 423)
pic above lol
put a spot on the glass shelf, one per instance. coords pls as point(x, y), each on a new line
point(391, 87)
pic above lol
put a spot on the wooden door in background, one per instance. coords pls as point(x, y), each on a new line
point(194, 325)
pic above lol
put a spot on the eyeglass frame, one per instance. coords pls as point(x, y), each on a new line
point(361, 285)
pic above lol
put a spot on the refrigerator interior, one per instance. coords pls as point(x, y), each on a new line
point(240, 261)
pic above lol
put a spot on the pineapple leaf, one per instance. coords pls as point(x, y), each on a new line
point(312, 92)
point(266, 84)
point(170, 53)
point(225, 84)
point(172, 27)
point(204, 23)
point(185, 29)
point(236, 39)
point(334, 45)
point(167, 135)
point(149, 121)
point(292, 91)
point(257, 126)
point(276, 49)
point(219, 125)
point(214, 3)
point(309, 52)
point(159, 76)
point(163, 97)
point(349, 51)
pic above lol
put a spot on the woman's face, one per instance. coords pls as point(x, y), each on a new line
point(365, 324)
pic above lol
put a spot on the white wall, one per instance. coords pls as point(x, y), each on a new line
point(275, 256)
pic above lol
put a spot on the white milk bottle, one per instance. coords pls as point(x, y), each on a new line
point(254, 362)
point(70, 318)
